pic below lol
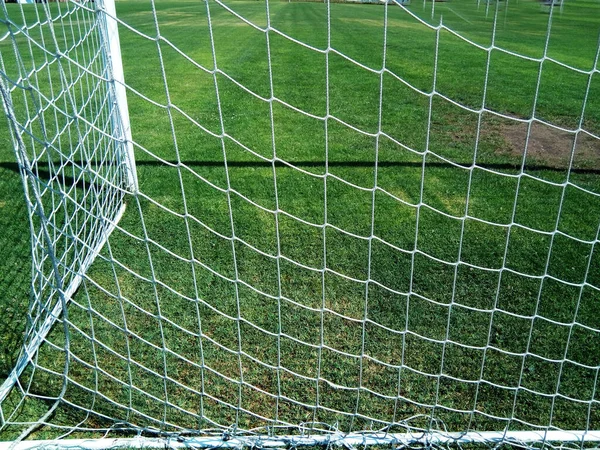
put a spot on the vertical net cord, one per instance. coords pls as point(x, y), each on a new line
point(325, 221)
point(372, 230)
point(4, 90)
point(589, 256)
point(418, 215)
point(126, 332)
point(67, 88)
point(35, 208)
point(537, 303)
point(6, 93)
point(478, 136)
point(176, 147)
point(86, 158)
point(597, 237)
point(68, 222)
point(433, 420)
point(96, 365)
point(192, 258)
point(39, 210)
point(463, 221)
point(153, 281)
point(9, 111)
point(36, 238)
point(277, 236)
point(229, 208)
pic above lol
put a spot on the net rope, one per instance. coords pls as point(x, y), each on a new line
point(125, 336)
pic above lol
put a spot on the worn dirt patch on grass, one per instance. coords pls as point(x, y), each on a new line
point(547, 145)
point(379, 22)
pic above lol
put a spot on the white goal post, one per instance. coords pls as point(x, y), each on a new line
point(299, 224)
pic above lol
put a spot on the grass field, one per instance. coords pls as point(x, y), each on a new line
point(403, 261)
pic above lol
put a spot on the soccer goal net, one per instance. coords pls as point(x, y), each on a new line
point(284, 224)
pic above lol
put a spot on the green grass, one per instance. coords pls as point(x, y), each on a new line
point(459, 312)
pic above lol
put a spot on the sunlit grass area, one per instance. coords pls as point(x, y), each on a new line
point(347, 226)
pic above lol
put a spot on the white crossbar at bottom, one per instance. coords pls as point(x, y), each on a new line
point(353, 439)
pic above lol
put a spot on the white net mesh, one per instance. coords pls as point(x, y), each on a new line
point(354, 224)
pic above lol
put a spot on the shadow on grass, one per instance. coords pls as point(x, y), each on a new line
point(266, 164)
point(15, 272)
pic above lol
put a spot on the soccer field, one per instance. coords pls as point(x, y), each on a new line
point(319, 241)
